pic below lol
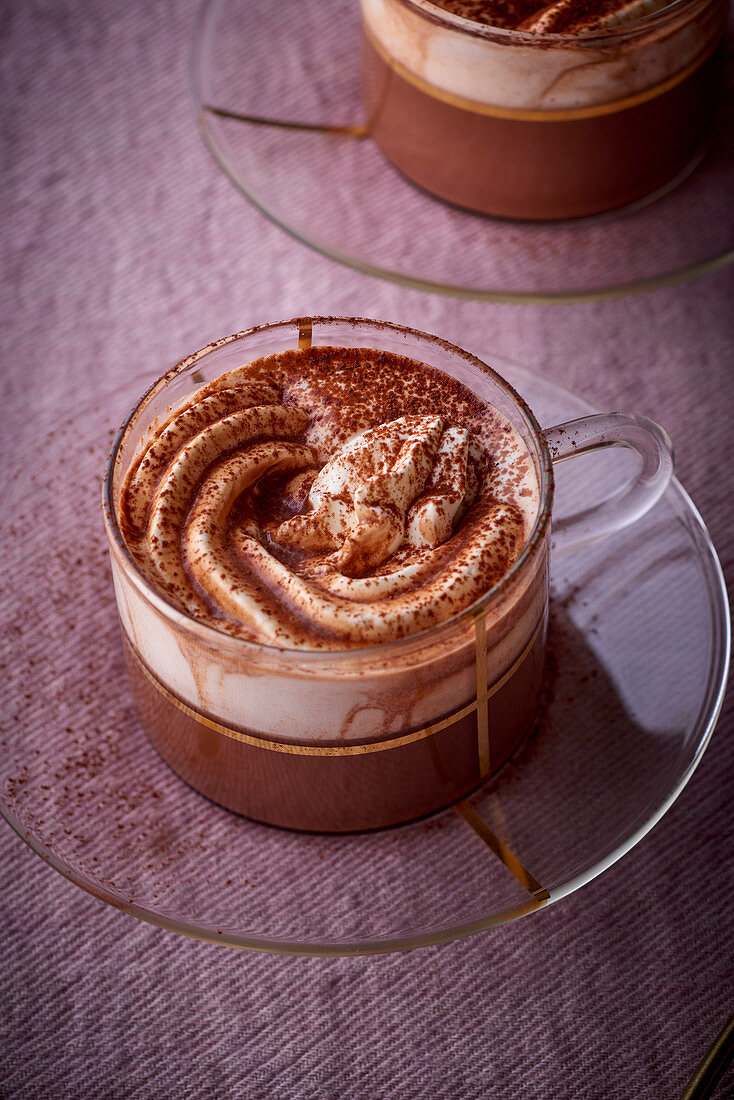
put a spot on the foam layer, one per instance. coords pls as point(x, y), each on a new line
point(503, 54)
point(329, 498)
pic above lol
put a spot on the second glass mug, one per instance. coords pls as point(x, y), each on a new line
point(542, 125)
point(286, 736)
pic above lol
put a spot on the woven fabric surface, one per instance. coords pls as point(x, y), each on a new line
point(123, 249)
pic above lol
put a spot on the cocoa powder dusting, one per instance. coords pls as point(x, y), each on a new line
point(329, 497)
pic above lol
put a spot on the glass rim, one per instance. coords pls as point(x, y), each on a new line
point(667, 13)
point(218, 638)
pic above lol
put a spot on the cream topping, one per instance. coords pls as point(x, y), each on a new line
point(305, 525)
point(528, 70)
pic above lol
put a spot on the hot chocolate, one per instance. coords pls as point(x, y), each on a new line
point(309, 539)
point(329, 541)
point(532, 110)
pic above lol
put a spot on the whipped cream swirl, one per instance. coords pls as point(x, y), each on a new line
point(250, 516)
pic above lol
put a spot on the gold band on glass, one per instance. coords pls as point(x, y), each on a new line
point(295, 749)
point(518, 114)
point(305, 333)
point(480, 632)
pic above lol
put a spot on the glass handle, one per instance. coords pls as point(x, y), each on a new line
point(631, 500)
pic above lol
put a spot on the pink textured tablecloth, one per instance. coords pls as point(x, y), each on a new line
point(124, 248)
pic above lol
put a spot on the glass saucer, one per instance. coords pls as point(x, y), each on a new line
point(634, 686)
point(303, 160)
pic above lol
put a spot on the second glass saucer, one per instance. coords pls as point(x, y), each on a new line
point(277, 97)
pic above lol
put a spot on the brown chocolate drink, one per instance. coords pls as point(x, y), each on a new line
point(303, 534)
point(541, 111)
point(340, 791)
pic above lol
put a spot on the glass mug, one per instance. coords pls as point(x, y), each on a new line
point(286, 736)
point(541, 125)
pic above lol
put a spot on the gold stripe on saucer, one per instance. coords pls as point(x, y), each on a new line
point(295, 749)
point(358, 130)
point(466, 811)
point(305, 333)
point(518, 114)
